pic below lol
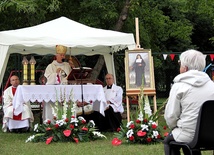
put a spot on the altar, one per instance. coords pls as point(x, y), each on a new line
point(53, 93)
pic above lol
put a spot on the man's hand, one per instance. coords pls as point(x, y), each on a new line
point(58, 70)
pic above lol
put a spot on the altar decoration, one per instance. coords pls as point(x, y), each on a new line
point(145, 129)
point(66, 127)
point(25, 70)
point(32, 70)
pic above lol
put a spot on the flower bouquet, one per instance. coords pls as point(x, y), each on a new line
point(144, 130)
point(66, 127)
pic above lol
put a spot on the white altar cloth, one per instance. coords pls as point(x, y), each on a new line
point(46, 93)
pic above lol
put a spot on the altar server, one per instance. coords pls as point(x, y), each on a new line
point(12, 122)
point(114, 96)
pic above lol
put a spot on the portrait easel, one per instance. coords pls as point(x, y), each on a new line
point(148, 90)
point(146, 93)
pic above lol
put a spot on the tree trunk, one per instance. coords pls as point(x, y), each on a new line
point(123, 16)
point(97, 68)
point(100, 62)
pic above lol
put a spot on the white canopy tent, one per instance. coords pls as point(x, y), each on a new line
point(42, 39)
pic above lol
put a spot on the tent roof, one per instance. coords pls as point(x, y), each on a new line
point(81, 38)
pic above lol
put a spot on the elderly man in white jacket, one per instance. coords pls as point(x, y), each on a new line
point(114, 96)
point(191, 88)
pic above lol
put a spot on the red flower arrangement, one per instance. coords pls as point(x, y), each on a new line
point(66, 127)
point(144, 129)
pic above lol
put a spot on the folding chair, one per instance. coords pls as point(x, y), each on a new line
point(204, 134)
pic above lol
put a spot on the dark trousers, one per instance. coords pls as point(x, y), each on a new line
point(113, 119)
point(110, 122)
point(172, 150)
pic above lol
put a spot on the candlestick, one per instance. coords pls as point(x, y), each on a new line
point(32, 70)
point(25, 66)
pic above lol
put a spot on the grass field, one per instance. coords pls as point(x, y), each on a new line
point(14, 144)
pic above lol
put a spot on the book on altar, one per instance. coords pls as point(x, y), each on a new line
point(79, 72)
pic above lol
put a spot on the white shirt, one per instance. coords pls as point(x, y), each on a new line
point(115, 96)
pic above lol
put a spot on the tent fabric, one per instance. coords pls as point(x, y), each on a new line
point(3, 60)
point(42, 39)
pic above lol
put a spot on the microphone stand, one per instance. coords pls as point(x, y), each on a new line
point(81, 73)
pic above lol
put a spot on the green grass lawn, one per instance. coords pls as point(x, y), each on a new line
point(14, 144)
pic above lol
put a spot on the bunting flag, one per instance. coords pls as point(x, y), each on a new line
point(164, 56)
point(211, 57)
point(172, 56)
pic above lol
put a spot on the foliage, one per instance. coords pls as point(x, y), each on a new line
point(144, 130)
point(164, 25)
point(66, 127)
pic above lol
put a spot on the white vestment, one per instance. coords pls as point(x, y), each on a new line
point(8, 121)
point(52, 79)
point(51, 75)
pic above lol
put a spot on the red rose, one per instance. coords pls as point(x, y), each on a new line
point(131, 138)
point(138, 121)
point(164, 127)
point(83, 121)
point(48, 129)
point(56, 125)
point(118, 129)
point(159, 136)
point(76, 140)
point(72, 116)
point(132, 126)
point(71, 126)
point(116, 142)
point(67, 133)
point(85, 129)
point(141, 133)
point(48, 141)
point(148, 139)
point(145, 120)
point(54, 117)
point(166, 134)
point(90, 101)
point(48, 121)
point(154, 126)
point(66, 120)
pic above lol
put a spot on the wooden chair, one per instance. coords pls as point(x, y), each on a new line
point(204, 137)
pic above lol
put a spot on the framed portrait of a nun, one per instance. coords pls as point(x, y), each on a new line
point(139, 69)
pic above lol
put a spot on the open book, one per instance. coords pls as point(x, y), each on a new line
point(79, 72)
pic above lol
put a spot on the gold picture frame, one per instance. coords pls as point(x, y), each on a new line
point(138, 66)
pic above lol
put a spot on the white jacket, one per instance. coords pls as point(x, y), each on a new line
point(115, 96)
point(189, 91)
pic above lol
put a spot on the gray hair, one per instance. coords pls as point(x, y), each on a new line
point(193, 59)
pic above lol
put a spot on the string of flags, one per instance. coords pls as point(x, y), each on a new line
point(172, 56)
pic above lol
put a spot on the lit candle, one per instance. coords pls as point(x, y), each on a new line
point(25, 65)
point(25, 71)
point(32, 70)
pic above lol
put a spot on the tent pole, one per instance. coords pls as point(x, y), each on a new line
point(113, 69)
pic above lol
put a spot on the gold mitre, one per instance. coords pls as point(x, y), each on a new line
point(60, 49)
